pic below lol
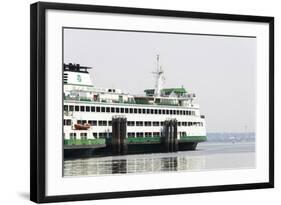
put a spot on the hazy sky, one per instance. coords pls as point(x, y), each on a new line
point(220, 70)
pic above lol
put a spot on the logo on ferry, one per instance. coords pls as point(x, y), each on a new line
point(79, 79)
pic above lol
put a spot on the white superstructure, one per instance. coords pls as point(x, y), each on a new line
point(93, 107)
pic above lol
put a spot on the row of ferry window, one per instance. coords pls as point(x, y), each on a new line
point(131, 123)
point(77, 108)
point(84, 135)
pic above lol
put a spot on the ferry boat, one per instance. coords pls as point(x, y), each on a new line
point(89, 110)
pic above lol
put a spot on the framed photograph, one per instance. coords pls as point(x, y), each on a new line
point(129, 102)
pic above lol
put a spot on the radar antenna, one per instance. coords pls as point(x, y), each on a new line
point(159, 78)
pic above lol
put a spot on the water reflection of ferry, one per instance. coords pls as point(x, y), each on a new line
point(104, 166)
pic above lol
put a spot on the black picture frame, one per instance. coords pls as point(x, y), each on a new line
point(38, 100)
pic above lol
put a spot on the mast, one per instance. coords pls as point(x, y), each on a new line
point(159, 78)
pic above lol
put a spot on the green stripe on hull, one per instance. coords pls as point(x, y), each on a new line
point(135, 140)
point(84, 142)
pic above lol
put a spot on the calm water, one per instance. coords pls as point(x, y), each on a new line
point(208, 156)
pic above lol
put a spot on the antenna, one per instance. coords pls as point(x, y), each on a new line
point(159, 77)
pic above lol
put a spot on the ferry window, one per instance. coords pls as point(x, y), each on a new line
point(147, 123)
point(179, 123)
point(92, 122)
point(189, 123)
point(68, 122)
point(98, 109)
point(100, 123)
point(131, 110)
point(82, 108)
point(117, 109)
point(148, 134)
point(178, 112)
point(107, 109)
point(147, 111)
point(109, 123)
point(131, 123)
point(93, 109)
point(139, 134)
point(104, 123)
point(87, 109)
point(139, 111)
point(143, 111)
point(84, 122)
point(122, 110)
point(162, 123)
point(102, 135)
point(79, 121)
point(156, 134)
point(189, 112)
point(156, 123)
point(156, 111)
point(77, 108)
point(135, 110)
point(72, 136)
point(174, 112)
point(112, 109)
point(151, 111)
point(71, 107)
point(95, 134)
point(102, 109)
point(171, 112)
point(126, 110)
point(65, 108)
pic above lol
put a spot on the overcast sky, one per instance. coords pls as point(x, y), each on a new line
point(220, 70)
